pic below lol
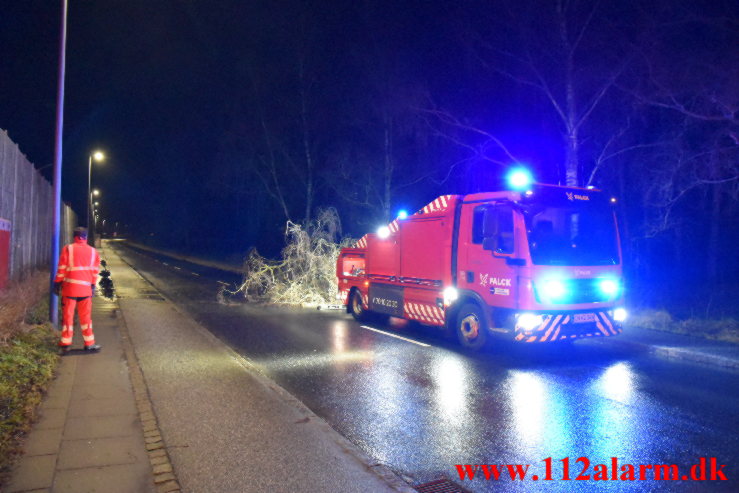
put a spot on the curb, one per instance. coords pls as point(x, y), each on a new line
point(161, 466)
point(697, 356)
point(393, 480)
point(163, 473)
point(681, 354)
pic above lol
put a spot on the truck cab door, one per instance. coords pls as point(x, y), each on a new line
point(489, 247)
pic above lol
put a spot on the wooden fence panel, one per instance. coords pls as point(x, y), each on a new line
point(26, 200)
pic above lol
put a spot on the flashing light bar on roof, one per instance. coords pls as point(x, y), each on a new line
point(519, 178)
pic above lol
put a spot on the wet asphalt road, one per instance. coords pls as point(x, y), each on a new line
point(423, 405)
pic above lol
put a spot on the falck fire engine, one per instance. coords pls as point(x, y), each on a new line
point(540, 263)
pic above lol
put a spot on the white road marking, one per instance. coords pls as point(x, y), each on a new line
point(195, 274)
point(165, 263)
point(177, 268)
point(221, 282)
point(423, 344)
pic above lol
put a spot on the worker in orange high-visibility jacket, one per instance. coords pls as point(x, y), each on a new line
point(75, 279)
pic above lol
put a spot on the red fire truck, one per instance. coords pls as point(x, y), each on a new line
point(540, 264)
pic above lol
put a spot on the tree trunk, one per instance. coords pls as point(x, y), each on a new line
point(389, 165)
point(306, 148)
point(713, 235)
point(572, 161)
point(309, 167)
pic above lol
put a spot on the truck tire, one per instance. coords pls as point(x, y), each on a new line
point(356, 306)
point(472, 328)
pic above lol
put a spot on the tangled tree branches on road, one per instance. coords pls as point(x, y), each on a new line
point(306, 273)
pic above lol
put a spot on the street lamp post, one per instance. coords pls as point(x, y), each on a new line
point(98, 157)
point(56, 219)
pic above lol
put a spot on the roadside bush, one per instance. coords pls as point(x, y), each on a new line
point(725, 329)
point(27, 361)
point(307, 271)
point(16, 302)
point(651, 319)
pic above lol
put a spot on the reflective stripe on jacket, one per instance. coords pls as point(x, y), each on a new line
point(78, 269)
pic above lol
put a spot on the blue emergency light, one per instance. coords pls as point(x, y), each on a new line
point(403, 214)
point(555, 289)
point(519, 178)
point(609, 287)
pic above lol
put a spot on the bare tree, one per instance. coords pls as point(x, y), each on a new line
point(688, 74)
point(566, 52)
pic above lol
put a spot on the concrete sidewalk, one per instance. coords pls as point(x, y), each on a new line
point(167, 406)
point(89, 436)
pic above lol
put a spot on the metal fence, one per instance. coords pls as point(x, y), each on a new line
point(27, 201)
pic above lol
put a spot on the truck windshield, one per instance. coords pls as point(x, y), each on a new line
point(576, 234)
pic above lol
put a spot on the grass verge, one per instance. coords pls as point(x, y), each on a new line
point(28, 358)
point(724, 329)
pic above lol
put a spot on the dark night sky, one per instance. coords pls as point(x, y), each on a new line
point(178, 94)
point(156, 84)
point(142, 77)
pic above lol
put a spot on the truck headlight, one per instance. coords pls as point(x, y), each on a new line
point(529, 321)
point(620, 314)
point(450, 295)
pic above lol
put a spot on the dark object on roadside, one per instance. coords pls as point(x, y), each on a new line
point(63, 350)
point(93, 348)
point(57, 288)
point(106, 283)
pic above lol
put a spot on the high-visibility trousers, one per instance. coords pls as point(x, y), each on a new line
point(84, 310)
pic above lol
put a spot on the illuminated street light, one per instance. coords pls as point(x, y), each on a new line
point(98, 157)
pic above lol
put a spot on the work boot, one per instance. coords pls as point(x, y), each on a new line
point(63, 350)
point(93, 347)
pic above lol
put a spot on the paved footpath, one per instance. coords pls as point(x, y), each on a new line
point(166, 406)
point(88, 437)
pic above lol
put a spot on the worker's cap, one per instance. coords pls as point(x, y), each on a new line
point(80, 232)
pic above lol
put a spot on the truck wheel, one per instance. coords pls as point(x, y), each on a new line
point(472, 330)
point(357, 308)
